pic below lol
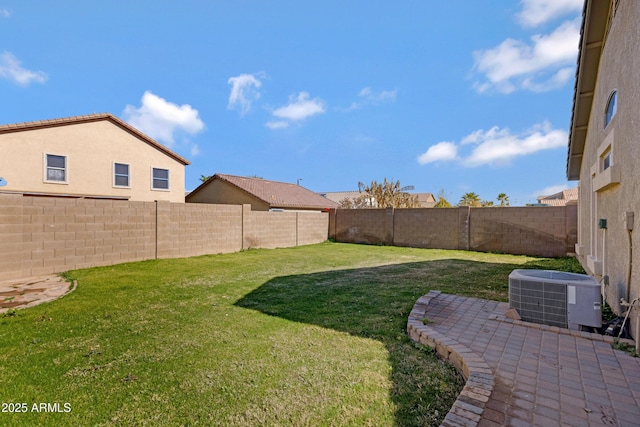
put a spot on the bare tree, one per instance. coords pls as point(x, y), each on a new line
point(361, 202)
point(389, 194)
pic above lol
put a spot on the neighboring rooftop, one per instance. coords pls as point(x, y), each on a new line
point(276, 194)
point(39, 124)
point(562, 198)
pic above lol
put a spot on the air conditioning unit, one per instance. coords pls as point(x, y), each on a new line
point(556, 298)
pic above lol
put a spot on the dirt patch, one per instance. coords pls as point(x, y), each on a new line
point(32, 291)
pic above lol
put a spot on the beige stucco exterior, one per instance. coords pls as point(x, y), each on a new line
point(91, 146)
point(221, 192)
point(609, 192)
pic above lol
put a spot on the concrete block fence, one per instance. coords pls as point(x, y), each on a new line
point(45, 235)
point(536, 231)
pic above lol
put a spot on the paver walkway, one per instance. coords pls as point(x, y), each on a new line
point(32, 291)
point(542, 375)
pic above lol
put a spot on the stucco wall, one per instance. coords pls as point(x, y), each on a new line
point(538, 231)
point(218, 191)
point(91, 150)
point(44, 235)
point(606, 252)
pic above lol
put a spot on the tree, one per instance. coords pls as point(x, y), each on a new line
point(503, 199)
point(470, 199)
point(442, 201)
point(389, 194)
point(360, 202)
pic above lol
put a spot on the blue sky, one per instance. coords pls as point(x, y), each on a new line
point(457, 96)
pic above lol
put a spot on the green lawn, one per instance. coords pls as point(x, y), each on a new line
point(306, 336)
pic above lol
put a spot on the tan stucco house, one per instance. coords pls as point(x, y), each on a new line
point(95, 156)
point(261, 194)
point(604, 148)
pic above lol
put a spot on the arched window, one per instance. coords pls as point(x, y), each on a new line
point(612, 106)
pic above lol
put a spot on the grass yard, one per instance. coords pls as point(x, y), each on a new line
point(306, 336)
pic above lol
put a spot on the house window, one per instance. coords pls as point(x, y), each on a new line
point(56, 168)
point(606, 160)
point(160, 179)
point(121, 175)
point(612, 107)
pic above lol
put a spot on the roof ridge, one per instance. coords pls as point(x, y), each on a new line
point(36, 124)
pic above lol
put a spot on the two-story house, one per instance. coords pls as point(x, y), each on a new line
point(95, 156)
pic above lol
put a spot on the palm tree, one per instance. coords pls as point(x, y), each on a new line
point(470, 199)
point(503, 199)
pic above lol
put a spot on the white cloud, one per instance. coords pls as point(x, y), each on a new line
point(541, 65)
point(244, 90)
point(4, 13)
point(548, 191)
point(161, 119)
point(441, 151)
point(299, 108)
point(369, 97)
point(537, 12)
point(278, 124)
point(11, 69)
point(497, 146)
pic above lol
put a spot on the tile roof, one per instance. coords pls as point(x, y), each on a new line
point(276, 194)
point(39, 124)
point(561, 198)
point(338, 196)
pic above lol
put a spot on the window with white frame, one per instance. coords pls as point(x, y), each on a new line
point(55, 168)
point(160, 179)
point(121, 175)
point(612, 108)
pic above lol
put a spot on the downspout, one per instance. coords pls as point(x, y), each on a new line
point(629, 231)
point(156, 254)
point(604, 263)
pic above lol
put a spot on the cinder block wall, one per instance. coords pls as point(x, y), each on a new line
point(369, 226)
point(192, 229)
point(45, 235)
point(312, 227)
point(270, 229)
point(540, 231)
point(537, 231)
point(427, 228)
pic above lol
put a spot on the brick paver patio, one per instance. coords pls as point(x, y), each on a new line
point(523, 374)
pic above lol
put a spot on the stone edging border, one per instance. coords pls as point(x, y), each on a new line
point(467, 410)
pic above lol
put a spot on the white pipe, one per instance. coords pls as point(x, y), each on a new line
point(630, 306)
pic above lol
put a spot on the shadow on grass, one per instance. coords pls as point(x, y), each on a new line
point(375, 303)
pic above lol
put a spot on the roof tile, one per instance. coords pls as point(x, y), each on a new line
point(279, 194)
